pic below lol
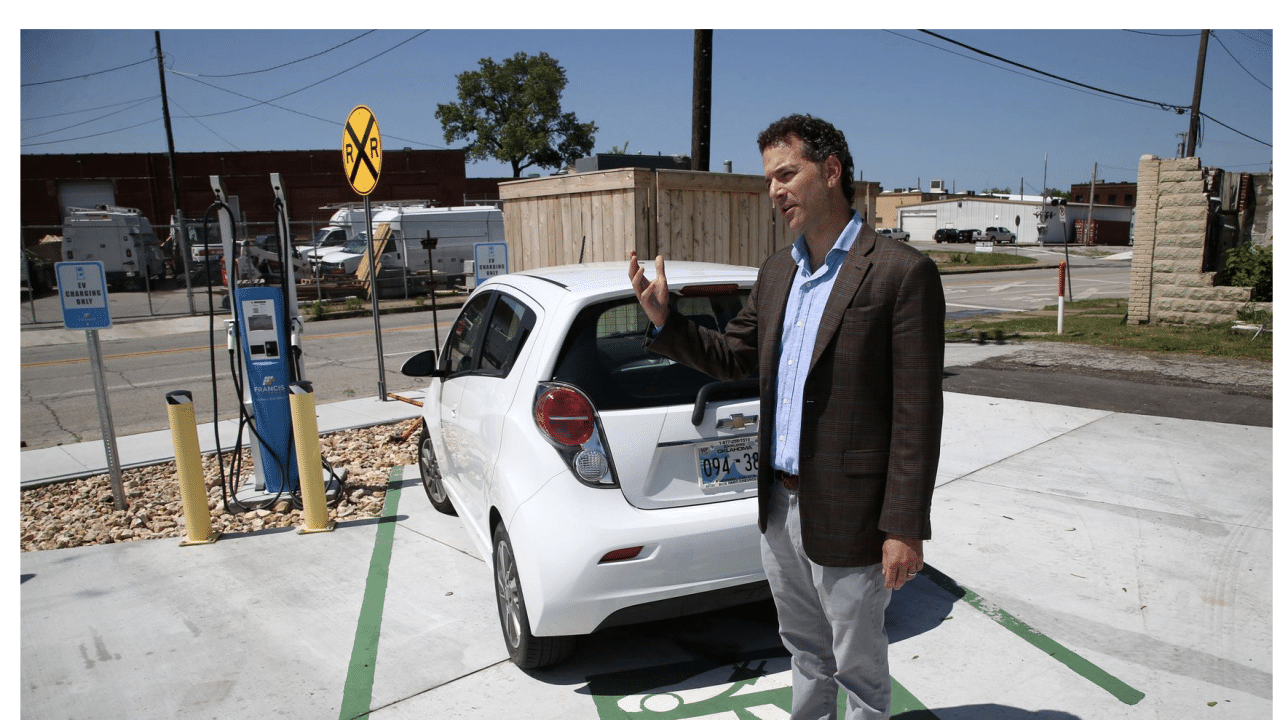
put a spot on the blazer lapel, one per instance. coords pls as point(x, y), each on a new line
point(852, 272)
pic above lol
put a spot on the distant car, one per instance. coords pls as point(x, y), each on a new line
point(896, 234)
point(947, 235)
point(1000, 235)
point(602, 483)
point(970, 235)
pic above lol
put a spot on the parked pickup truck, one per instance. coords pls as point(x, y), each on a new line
point(896, 234)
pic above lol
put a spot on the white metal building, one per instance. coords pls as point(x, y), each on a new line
point(1021, 216)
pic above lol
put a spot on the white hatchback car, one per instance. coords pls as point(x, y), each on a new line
point(604, 484)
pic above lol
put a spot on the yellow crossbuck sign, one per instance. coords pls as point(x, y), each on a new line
point(362, 150)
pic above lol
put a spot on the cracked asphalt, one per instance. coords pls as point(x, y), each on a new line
point(1190, 387)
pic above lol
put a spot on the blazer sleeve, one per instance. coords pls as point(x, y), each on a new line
point(917, 346)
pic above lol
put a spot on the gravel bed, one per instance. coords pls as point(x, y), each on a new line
point(82, 512)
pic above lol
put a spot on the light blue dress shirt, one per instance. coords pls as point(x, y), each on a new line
point(805, 303)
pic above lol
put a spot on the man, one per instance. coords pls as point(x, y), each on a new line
point(846, 330)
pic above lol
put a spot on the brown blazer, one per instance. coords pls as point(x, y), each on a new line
point(872, 418)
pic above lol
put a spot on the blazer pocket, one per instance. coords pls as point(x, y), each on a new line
point(865, 462)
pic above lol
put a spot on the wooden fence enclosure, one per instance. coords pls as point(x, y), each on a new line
point(603, 215)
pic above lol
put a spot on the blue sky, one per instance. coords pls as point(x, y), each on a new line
point(914, 108)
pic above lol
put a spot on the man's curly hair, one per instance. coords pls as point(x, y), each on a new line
point(821, 140)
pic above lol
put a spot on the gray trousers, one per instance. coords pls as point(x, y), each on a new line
point(831, 619)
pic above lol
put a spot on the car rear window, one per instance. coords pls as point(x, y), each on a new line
point(605, 357)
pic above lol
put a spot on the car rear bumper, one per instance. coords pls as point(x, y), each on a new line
point(693, 558)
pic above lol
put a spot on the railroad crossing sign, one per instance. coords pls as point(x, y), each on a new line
point(362, 150)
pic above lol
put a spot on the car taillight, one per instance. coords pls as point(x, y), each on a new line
point(565, 416)
point(567, 419)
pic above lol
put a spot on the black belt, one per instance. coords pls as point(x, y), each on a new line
point(789, 481)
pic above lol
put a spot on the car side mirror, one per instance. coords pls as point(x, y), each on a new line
point(421, 365)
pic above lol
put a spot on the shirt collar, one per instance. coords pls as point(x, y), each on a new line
point(844, 243)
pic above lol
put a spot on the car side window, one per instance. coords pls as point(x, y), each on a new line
point(459, 350)
point(509, 324)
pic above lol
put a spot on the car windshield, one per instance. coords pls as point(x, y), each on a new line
point(604, 355)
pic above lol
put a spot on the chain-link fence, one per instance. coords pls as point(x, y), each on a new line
point(185, 283)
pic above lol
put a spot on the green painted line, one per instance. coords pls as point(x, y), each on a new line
point(904, 704)
point(1082, 667)
point(357, 693)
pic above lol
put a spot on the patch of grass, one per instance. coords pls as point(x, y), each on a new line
point(1104, 322)
point(951, 259)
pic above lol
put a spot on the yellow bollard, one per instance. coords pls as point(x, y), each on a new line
point(186, 453)
point(306, 438)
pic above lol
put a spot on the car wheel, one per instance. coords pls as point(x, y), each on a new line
point(429, 468)
point(527, 650)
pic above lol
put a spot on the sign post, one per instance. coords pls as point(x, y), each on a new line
point(82, 288)
point(362, 162)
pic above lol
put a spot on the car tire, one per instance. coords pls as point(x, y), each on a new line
point(429, 468)
point(527, 650)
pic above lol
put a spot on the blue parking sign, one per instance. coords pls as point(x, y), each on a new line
point(82, 286)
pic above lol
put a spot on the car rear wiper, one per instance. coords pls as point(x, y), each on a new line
point(721, 389)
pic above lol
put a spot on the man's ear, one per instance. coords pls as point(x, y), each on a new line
point(832, 169)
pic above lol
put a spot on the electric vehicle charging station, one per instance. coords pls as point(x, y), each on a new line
point(266, 329)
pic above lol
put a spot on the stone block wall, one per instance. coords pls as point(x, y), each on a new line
point(1170, 222)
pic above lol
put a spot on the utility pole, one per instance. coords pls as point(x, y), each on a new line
point(1193, 134)
point(181, 230)
point(700, 152)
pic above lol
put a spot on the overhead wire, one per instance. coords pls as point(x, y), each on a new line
point(999, 67)
point(86, 122)
point(81, 77)
point(84, 110)
point(1162, 105)
point(276, 67)
point(1233, 57)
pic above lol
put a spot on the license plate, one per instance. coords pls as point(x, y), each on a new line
point(727, 462)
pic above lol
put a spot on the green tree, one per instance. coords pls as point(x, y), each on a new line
point(511, 112)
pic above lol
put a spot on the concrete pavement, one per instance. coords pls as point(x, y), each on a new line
point(1085, 564)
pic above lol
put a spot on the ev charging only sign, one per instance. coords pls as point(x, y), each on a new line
point(491, 260)
point(82, 287)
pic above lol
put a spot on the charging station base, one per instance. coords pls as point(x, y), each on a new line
point(250, 490)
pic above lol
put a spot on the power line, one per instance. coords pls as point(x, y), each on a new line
point(85, 137)
point(84, 110)
point(79, 77)
point(1005, 69)
point(273, 104)
point(1139, 32)
point(1206, 115)
point(206, 127)
point(294, 92)
point(1233, 57)
point(277, 67)
point(1164, 106)
point(86, 122)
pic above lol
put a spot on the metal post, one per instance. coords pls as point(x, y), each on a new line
point(373, 294)
point(306, 440)
point(186, 453)
point(104, 419)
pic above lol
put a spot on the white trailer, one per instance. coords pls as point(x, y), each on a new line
point(455, 230)
point(118, 237)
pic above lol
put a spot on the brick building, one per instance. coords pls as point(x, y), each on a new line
point(1107, 193)
point(312, 179)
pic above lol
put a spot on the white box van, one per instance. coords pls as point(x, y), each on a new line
point(456, 231)
point(118, 237)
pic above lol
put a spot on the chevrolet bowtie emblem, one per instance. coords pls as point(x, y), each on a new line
point(736, 421)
